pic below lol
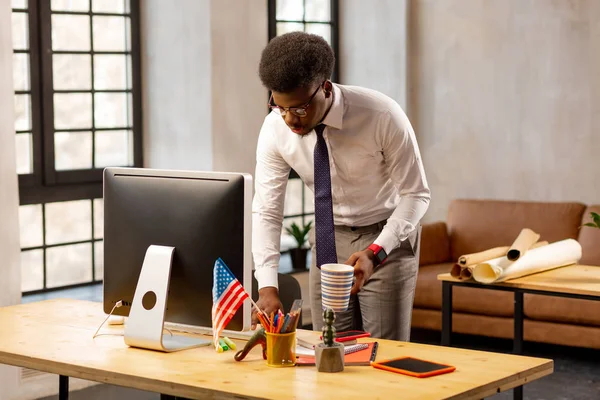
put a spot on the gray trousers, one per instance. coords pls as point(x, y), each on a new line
point(384, 305)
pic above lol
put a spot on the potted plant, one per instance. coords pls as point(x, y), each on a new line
point(298, 254)
point(596, 219)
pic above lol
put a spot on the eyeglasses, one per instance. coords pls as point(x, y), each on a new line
point(297, 111)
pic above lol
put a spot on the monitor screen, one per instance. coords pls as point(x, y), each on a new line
point(203, 215)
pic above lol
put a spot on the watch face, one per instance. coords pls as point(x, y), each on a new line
point(381, 255)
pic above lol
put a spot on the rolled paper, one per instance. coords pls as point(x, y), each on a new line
point(543, 258)
point(476, 258)
point(466, 273)
point(455, 271)
point(522, 244)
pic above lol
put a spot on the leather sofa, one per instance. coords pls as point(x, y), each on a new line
point(476, 225)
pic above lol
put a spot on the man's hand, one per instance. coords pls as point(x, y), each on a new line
point(363, 262)
point(268, 301)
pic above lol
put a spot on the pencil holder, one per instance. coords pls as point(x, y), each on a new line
point(281, 349)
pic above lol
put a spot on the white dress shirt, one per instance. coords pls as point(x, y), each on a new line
point(376, 173)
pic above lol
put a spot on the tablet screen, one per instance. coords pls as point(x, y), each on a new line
point(414, 365)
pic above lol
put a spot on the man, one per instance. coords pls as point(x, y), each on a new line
point(356, 150)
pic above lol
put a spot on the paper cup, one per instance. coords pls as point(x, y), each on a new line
point(336, 283)
point(337, 269)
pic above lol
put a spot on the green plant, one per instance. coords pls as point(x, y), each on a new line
point(299, 233)
point(596, 219)
point(328, 328)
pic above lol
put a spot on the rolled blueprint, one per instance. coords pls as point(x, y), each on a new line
point(554, 255)
point(522, 244)
point(465, 272)
point(476, 258)
point(455, 271)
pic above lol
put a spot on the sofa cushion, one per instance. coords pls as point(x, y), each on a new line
point(477, 225)
point(589, 238)
point(428, 294)
point(435, 244)
point(561, 309)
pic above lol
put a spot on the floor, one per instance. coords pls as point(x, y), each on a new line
point(576, 375)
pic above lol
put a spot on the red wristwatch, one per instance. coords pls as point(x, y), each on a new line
point(380, 254)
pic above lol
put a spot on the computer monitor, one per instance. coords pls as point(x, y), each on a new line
point(203, 215)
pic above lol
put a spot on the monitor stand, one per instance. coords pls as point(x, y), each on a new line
point(145, 325)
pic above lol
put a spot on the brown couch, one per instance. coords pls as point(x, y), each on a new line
point(476, 225)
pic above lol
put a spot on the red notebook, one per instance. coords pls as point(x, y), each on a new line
point(361, 357)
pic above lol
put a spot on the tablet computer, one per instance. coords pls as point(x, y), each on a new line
point(413, 367)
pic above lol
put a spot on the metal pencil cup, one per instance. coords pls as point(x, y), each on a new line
point(281, 349)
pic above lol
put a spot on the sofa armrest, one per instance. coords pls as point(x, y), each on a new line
point(435, 244)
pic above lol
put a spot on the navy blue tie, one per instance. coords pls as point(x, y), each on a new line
point(324, 230)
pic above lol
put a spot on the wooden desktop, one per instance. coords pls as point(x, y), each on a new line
point(55, 336)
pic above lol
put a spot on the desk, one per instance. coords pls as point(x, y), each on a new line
point(575, 281)
point(55, 336)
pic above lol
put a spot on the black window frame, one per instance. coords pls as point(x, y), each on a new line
point(45, 184)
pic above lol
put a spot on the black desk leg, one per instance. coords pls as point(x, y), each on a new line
point(63, 387)
point(518, 337)
point(446, 313)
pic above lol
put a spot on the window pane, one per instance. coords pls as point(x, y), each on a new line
point(72, 72)
point(290, 10)
point(22, 112)
point(71, 32)
point(68, 221)
point(318, 10)
point(320, 29)
point(113, 148)
point(293, 197)
point(72, 110)
point(32, 270)
point(68, 265)
point(112, 72)
point(30, 223)
point(98, 218)
point(21, 78)
point(24, 153)
point(111, 33)
point(20, 31)
point(19, 3)
point(111, 110)
point(72, 150)
point(99, 260)
point(110, 6)
point(285, 27)
point(70, 5)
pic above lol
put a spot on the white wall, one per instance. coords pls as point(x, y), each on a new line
point(373, 52)
point(239, 32)
point(176, 84)
point(506, 99)
point(203, 101)
point(10, 272)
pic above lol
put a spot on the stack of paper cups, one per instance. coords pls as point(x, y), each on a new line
point(336, 282)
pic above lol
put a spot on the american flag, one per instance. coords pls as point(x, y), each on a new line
point(228, 296)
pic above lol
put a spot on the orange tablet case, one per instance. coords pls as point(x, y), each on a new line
point(380, 365)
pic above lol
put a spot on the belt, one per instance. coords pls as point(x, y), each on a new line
point(378, 226)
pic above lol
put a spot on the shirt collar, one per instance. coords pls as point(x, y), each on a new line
point(336, 112)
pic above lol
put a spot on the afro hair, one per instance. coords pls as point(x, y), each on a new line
point(294, 60)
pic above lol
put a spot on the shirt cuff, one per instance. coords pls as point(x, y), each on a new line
point(266, 277)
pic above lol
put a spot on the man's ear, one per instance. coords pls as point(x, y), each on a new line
point(328, 87)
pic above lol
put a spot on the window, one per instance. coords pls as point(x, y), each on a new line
point(314, 16)
point(77, 84)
